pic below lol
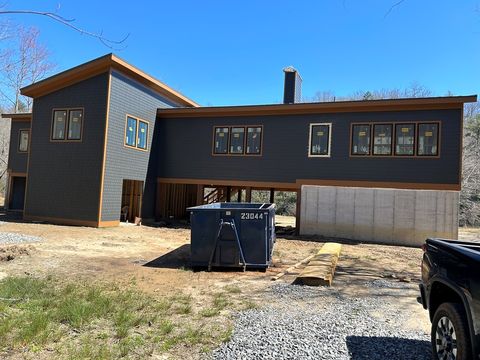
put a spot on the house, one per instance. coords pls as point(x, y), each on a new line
point(106, 141)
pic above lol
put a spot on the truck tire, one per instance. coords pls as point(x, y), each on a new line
point(450, 335)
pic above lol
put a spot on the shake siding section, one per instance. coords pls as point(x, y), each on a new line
point(17, 161)
point(129, 97)
point(64, 177)
point(185, 150)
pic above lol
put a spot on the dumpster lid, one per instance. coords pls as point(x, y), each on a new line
point(233, 206)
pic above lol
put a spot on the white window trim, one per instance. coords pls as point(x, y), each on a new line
point(310, 155)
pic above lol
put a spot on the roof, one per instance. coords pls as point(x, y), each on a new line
point(428, 103)
point(18, 116)
point(98, 66)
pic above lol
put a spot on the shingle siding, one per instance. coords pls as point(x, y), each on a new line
point(64, 177)
point(17, 161)
point(185, 150)
point(129, 97)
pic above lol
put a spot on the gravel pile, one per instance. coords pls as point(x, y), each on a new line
point(13, 238)
point(321, 323)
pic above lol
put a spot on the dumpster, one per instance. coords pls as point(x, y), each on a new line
point(232, 235)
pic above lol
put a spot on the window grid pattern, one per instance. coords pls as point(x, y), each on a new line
point(238, 140)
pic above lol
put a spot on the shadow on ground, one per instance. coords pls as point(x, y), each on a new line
point(392, 348)
point(175, 259)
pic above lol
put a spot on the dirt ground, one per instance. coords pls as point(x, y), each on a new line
point(157, 259)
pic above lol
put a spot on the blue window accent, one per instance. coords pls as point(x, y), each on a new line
point(142, 134)
point(131, 132)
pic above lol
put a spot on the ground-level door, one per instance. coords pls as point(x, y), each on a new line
point(17, 193)
point(132, 194)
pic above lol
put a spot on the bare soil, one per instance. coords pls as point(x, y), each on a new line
point(157, 259)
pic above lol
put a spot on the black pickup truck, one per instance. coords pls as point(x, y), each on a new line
point(450, 290)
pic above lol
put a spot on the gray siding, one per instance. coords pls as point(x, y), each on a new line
point(129, 97)
point(64, 177)
point(185, 150)
point(17, 161)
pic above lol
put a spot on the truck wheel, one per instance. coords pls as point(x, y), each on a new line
point(450, 337)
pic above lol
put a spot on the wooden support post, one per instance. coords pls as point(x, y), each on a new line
point(272, 196)
point(298, 211)
point(248, 195)
point(229, 193)
point(200, 195)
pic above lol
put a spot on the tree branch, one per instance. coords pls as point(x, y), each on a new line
point(392, 7)
point(69, 22)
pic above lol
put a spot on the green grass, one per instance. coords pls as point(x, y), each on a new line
point(88, 320)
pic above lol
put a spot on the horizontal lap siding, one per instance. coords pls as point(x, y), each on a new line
point(129, 97)
point(186, 150)
point(64, 177)
point(17, 161)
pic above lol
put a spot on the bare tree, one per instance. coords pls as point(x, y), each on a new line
point(22, 64)
point(470, 195)
point(70, 23)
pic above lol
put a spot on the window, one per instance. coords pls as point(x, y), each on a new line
point(237, 137)
point(319, 140)
point(382, 139)
point(254, 140)
point(136, 133)
point(361, 140)
point(67, 125)
point(59, 124)
point(75, 124)
point(221, 140)
point(142, 135)
point(237, 140)
point(427, 139)
point(23, 140)
point(131, 131)
point(404, 139)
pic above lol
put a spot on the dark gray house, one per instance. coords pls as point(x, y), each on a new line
point(106, 141)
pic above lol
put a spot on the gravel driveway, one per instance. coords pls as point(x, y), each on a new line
point(323, 323)
point(7, 238)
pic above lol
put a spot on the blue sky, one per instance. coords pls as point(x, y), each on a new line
point(233, 52)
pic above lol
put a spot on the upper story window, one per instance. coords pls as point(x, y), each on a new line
point(221, 140)
point(401, 139)
point(382, 139)
point(237, 140)
point(405, 139)
point(142, 134)
point(361, 139)
point(67, 125)
point(254, 140)
point(136, 133)
point(427, 139)
point(23, 140)
point(320, 138)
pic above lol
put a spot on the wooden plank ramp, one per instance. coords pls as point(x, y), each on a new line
point(321, 268)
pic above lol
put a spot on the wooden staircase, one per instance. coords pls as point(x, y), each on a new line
point(219, 194)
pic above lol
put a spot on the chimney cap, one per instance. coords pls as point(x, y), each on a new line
point(291, 69)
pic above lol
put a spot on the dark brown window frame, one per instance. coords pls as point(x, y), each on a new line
point(414, 145)
point(244, 153)
point(418, 137)
point(392, 126)
point(138, 121)
point(67, 124)
point(20, 139)
point(394, 139)
point(370, 127)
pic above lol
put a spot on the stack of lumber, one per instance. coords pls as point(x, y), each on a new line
point(320, 269)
